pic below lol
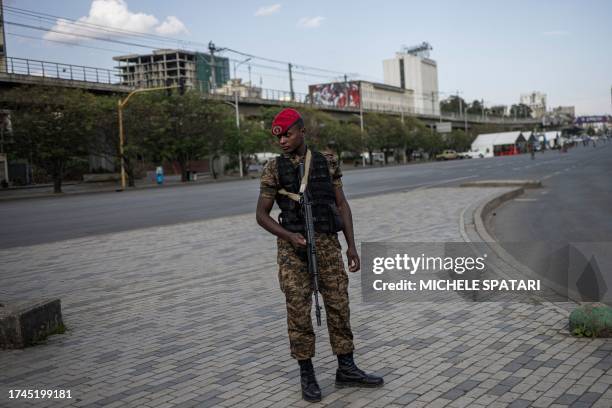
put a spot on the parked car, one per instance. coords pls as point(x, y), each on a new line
point(447, 155)
point(471, 155)
point(254, 168)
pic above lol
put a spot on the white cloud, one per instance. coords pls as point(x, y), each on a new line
point(267, 10)
point(171, 26)
point(310, 22)
point(113, 14)
point(556, 33)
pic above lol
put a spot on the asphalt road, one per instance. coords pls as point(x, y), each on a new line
point(35, 221)
point(574, 207)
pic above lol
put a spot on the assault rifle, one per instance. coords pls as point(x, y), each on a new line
point(311, 248)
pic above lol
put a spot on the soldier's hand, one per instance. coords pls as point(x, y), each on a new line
point(297, 240)
point(353, 259)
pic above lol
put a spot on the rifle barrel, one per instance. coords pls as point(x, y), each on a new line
point(312, 249)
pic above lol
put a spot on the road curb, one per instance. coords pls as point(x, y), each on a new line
point(479, 215)
point(118, 189)
point(503, 183)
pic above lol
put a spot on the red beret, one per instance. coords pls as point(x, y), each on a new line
point(284, 120)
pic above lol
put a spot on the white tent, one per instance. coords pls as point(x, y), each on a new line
point(551, 138)
point(486, 142)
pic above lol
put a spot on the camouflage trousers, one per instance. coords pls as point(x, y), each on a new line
point(296, 284)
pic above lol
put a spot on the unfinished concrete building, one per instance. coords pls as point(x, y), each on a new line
point(167, 67)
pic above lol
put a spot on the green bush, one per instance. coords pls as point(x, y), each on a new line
point(591, 320)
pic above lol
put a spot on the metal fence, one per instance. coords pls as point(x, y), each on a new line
point(279, 96)
point(71, 72)
point(56, 70)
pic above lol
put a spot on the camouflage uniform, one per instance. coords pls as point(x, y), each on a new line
point(296, 283)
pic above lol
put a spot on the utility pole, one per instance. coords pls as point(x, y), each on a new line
point(237, 108)
point(238, 127)
point(363, 160)
point(482, 106)
point(462, 112)
point(3, 61)
point(2, 135)
point(291, 83)
point(213, 74)
point(433, 103)
point(213, 66)
point(346, 91)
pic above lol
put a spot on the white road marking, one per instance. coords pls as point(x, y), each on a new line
point(551, 175)
point(427, 185)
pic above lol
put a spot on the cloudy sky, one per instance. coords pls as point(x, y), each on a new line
point(491, 50)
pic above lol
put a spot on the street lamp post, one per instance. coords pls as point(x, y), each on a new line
point(363, 160)
point(237, 108)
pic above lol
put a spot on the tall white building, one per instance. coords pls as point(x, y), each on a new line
point(412, 69)
point(536, 101)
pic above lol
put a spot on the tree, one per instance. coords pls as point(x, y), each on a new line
point(412, 126)
point(459, 141)
point(52, 127)
point(497, 110)
point(475, 108)
point(177, 128)
point(251, 139)
point(198, 128)
point(429, 141)
point(144, 120)
point(520, 111)
point(346, 137)
point(385, 133)
point(105, 135)
point(453, 105)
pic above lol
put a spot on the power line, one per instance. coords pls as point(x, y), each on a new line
point(63, 42)
point(147, 36)
point(79, 35)
point(54, 19)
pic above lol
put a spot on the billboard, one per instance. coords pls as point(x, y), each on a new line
point(337, 94)
point(581, 120)
point(443, 127)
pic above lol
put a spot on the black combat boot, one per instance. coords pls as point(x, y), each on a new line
point(349, 375)
point(310, 388)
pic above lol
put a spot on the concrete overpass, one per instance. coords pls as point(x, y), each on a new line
point(21, 71)
point(252, 107)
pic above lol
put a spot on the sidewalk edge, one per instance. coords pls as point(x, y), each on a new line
point(479, 215)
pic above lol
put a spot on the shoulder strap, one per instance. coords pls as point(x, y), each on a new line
point(304, 183)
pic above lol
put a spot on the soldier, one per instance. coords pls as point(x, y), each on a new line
point(331, 213)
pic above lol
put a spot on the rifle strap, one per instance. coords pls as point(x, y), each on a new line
point(304, 182)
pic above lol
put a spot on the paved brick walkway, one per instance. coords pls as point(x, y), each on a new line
point(191, 315)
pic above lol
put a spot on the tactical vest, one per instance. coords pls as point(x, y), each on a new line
point(323, 197)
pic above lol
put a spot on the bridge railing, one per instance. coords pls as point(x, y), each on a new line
point(57, 70)
point(258, 95)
